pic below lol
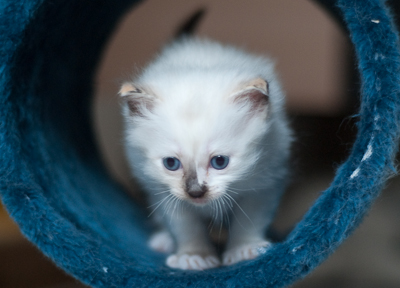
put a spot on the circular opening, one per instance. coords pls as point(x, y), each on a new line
point(312, 56)
point(350, 169)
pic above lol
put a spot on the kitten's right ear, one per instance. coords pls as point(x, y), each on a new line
point(137, 99)
point(254, 94)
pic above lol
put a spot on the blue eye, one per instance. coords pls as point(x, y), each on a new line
point(171, 163)
point(219, 162)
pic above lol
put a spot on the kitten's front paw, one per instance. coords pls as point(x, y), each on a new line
point(193, 262)
point(162, 242)
point(244, 252)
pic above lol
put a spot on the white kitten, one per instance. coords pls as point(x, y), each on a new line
point(207, 137)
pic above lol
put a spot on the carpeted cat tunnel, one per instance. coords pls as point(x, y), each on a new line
point(57, 190)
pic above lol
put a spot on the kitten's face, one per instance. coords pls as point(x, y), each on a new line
point(197, 146)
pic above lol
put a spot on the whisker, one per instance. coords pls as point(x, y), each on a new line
point(181, 204)
point(234, 192)
point(237, 189)
point(168, 204)
point(237, 192)
point(222, 218)
point(214, 215)
point(227, 216)
point(230, 205)
point(244, 213)
point(176, 202)
point(159, 204)
point(233, 212)
point(162, 192)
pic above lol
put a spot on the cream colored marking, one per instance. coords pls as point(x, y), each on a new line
point(127, 89)
point(258, 83)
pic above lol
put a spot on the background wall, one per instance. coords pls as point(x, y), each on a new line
point(310, 50)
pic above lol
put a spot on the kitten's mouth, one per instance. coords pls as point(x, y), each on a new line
point(199, 201)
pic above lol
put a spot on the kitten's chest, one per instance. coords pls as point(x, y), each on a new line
point(216, 213)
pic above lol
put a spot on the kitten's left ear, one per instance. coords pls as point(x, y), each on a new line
point(137, 99)
point(254, 93)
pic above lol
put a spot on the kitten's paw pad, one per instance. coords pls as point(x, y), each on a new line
point(245, 252)
point(192, 262)
point(162, 242)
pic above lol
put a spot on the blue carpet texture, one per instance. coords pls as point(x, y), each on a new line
point(57, 190)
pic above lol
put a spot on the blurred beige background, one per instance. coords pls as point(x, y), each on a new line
point(310, 50)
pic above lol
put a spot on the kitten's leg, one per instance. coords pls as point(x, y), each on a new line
point(162, 241)
point(194, 250)
point(252, 215)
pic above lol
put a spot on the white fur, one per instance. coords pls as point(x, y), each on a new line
point(162, 242)
point(192, 84)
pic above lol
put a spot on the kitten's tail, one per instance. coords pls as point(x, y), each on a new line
point(190, 25)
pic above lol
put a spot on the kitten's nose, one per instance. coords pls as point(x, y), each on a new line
point(197, 193)
point(192, 186)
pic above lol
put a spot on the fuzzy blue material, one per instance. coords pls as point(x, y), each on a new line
point(54, 186)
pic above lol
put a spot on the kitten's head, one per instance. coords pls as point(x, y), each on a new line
point(196, 140)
